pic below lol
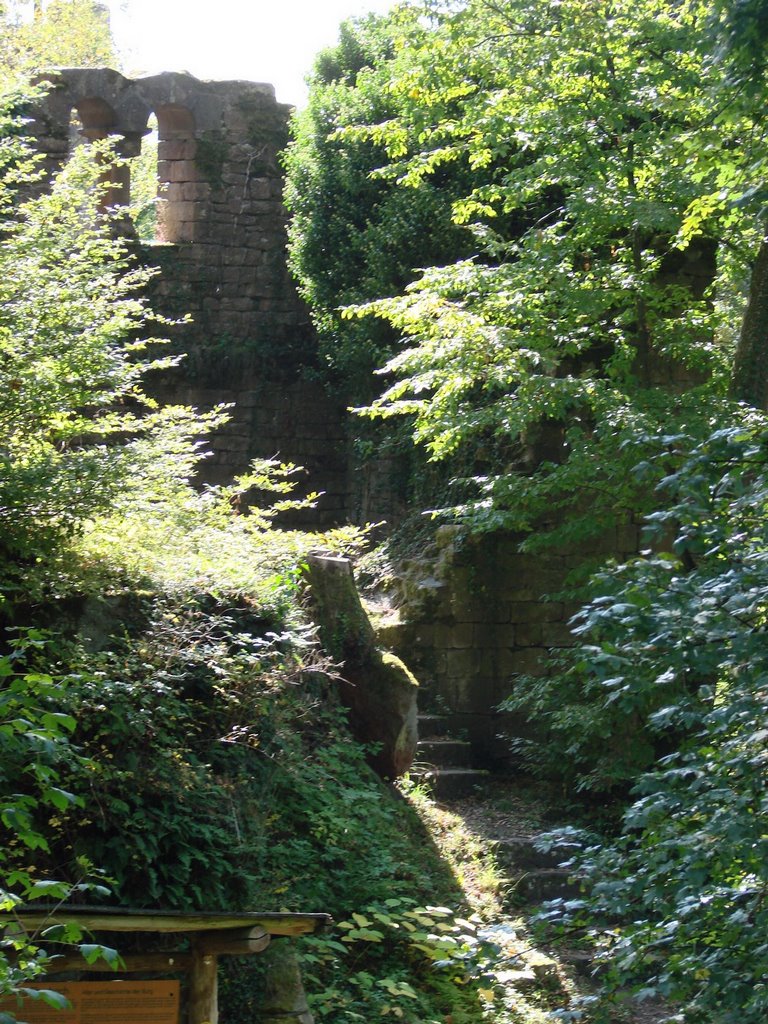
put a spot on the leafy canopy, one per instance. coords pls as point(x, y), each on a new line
point(65, 33)
point(69, 375)
point(353, 235)
point(602, 184)
point(675, 644)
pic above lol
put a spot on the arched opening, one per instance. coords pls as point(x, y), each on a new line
point(76, 134)
point(96, 116)
point(92, 119)
point(145, 187)
point(179, 185)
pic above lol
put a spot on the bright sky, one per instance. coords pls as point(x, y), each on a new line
point(258, 40)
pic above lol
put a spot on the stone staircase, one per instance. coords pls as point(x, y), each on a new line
point(444, 762)
point(536, 875)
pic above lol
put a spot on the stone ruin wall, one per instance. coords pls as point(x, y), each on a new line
point(476, 614)
point(473, 613)
point(221, 252)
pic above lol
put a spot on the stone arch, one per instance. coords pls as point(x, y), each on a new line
point(91, 118)
point(179, 184)
point(97, 119)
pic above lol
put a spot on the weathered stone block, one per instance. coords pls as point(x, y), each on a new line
point(193, 191)
point(457, 636)
point(180, 211)
point(182, 170)
point(259, 188)
point(236, 443)
point(535, 611)
point(528, 661)
point(468, 608)
point(628, 539)
point(461, 664)
point(529, 634)
point(492, 635)
point(176, 149)
point(379, 690)
point(186, 232)
point(527, 593)
point(557, 634)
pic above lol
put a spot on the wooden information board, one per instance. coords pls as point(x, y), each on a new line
point(104, 1002)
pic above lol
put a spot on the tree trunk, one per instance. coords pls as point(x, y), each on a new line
point(749, 382)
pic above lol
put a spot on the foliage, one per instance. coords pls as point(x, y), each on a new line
point(68, 33)
point(595, 222)
point(353, 236)
point(172, 721)
point(678, 642)
point(741, 29)
point(441, 946)
point(144, 187)
point(601, 703)
point(216, 751)
point(69, 378)
point(34, 743)
point(164, 533)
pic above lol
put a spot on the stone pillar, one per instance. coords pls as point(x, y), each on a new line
point(284, 1000)
point(377, 688)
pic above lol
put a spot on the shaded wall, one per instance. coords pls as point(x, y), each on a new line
point(220, 248)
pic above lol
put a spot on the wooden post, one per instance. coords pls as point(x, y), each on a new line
point(204, 989)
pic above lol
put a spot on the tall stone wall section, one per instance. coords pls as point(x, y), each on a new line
point(220, 249)
point(475, 615)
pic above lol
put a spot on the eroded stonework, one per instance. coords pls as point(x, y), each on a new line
point(220, 248)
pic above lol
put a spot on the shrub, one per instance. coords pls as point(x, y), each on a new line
point(680, 644)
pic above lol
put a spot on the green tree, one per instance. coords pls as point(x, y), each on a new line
point(34, 744)
point(675, 644)
point(69, 378)
point(550, 345)
point(354, 234)
point(65, 33)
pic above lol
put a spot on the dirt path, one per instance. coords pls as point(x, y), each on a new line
point(489, 837)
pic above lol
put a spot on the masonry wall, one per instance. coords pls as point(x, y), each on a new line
point(475, 615)
point(221, 254)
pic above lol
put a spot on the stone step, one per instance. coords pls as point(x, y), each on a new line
point(451, 783)
point(516, 852)
point(543, 884)
point(432, 727)
point(581, 962)
point(445, 753)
